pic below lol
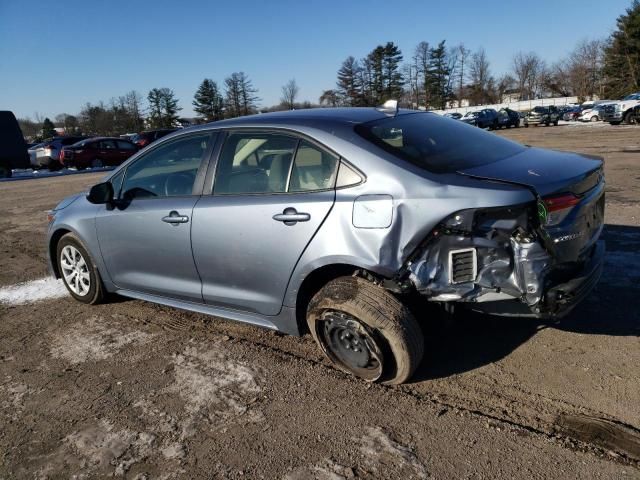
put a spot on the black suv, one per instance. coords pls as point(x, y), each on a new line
point(485, 118)
point(508, 118)
point(542, 116)
point(13, 149)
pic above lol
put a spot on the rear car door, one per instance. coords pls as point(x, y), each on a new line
point(271, 193)
point(145, 240)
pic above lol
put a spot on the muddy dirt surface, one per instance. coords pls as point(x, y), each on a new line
point(140, 391)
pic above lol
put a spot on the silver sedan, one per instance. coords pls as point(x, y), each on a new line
point(328, 220)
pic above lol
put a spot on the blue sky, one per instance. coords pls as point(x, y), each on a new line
point(56, 56)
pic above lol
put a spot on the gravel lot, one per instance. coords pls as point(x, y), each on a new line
point(142, 391)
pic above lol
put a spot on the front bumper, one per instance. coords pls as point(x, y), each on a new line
point(612, 117)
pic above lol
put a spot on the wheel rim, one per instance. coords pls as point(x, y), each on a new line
point(96, 163)
point(75, 270)
point(350, 344)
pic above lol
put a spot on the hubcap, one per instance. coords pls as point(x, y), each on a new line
point(348, 342)
point(75, 270)
point(96, 163)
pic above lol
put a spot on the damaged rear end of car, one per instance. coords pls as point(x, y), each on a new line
point(535, 258)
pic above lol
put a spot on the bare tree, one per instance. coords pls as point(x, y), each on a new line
point(528, 69)
point(329, 98)
point(482, 84)
point(462, 59)
point(421, 59)
point(289, 93)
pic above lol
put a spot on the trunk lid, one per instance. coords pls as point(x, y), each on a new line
point(570, 233)
point(545, 171)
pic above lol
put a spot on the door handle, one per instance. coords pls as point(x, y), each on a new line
point(290, 216)
point(175, 218)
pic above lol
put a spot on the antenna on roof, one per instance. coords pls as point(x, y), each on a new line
point(390, 106)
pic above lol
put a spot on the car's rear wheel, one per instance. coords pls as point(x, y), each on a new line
point(54, 165)
point(5, 170)
point(366, 331)
point(97, 163)
point(78, 272)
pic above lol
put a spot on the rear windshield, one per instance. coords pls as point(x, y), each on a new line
point(436, 143)
point(540, 109)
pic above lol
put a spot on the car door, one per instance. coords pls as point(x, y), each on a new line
point(145, 239)
point(125, 150)
point(271, 193)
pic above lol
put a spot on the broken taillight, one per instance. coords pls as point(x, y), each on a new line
point(555, 209)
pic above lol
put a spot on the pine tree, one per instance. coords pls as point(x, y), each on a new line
point(207, 102)
point(439, 72)
point(48, 129)
point(240, 98)
point(349, 86)
point(622, 55)
point(163, 108)
point(392, 75)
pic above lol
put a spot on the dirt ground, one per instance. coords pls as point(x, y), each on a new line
point(142, 391)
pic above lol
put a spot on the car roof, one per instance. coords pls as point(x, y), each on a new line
point(321, 118)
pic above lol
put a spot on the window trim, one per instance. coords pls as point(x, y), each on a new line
point(299, 136)
point(202, 169)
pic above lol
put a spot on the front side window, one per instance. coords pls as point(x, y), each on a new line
point(169, 170)
point(122, 145)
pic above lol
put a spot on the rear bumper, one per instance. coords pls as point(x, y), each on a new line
point(558, 300)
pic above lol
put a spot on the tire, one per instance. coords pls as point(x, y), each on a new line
point(615, 123)
point(367, 318)
point(5, 170)
point(54, 165)
point(594, 119)
point(556, 122)
point(629, 119)
point(74, 264)
point(97, 163)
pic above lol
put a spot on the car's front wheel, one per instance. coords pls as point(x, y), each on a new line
point(78, 272)
point(366, 331)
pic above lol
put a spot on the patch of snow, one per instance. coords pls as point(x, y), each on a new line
point(33, 291)
point(381, 453)
point(93, 340)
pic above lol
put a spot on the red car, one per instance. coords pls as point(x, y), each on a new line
point(97, 152)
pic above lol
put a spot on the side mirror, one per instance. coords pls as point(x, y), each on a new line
point(101, 193)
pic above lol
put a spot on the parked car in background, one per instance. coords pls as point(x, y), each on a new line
point(145, 138)
point(542, 116)
point(594, 114)
point(47, 155)
point(572, 113)
point(485, 118)
point(330, 220)
point(508, 118)
point(454, 115)
point(623, 110)
point(97, 152)
point(13, 149)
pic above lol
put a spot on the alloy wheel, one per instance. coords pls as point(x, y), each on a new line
point(75, 270)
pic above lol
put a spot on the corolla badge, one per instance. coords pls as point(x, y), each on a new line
point(533, 172)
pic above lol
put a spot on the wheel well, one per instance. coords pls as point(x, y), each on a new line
point(53, 246)
point(313, 283)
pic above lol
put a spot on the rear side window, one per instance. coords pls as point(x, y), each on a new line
point(313, 169)
point(273, 163)
point(436, 143)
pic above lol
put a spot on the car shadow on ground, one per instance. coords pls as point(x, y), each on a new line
point(466, 340)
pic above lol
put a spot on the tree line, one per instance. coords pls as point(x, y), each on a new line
point(434, 76)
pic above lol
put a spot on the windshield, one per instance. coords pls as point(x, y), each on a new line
point(471, 114)
point(540, 109)
point(633, 96)
point(436, 143)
